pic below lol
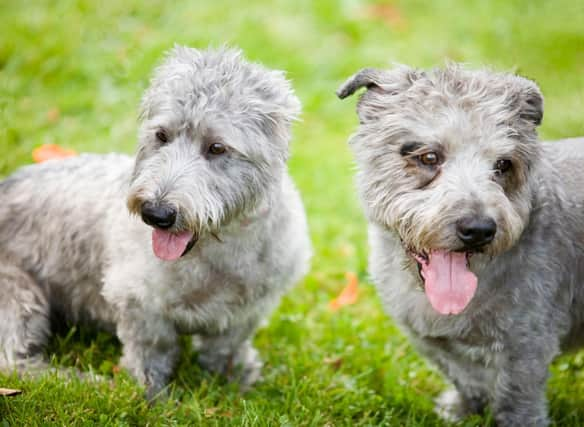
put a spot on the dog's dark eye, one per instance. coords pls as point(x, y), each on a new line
point(216, 148)
point(429, 159)
point(503, 165)
point(162, 136)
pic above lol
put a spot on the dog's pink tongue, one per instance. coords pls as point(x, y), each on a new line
point(170, 246)
point(449, 284)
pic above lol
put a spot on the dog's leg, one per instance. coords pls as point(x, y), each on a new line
point(24, 321)
point(465, 399)
point(471, 382)
point(150, 349)
point(232, 354)
point(520, 386)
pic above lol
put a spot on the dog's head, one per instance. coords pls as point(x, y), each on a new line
point(213, 143)
point(444, 161)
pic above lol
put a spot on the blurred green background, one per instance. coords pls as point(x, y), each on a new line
point(72, 73)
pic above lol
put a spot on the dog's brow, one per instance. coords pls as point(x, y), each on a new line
point(409, 147)
point(211, 138)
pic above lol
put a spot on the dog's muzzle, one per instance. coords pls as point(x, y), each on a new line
point(476, 232)
point(158, 215)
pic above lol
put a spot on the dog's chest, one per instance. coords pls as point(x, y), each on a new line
point(476, 347)
point(476, 341)
point(207, 296)
point(475, 338)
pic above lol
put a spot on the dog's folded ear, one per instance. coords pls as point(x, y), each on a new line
point(528, 101)
point(379, 84)
point(367, 77)
point(389, 82)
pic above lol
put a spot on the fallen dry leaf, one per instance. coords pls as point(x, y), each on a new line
point(9, 392)
point(209, 412)
point(334, 362)
point(51, 151)
point(347, 250)
point(388, 13)
point(348, 295)
point(53, 115)
point(214, 411)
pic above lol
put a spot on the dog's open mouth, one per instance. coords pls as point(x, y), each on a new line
point(448, 282)
point(171, 246)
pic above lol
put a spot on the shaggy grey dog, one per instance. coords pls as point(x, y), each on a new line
point(476, 230)
point(214, 235)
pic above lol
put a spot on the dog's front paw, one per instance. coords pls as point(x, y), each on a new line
point(247, 367)
point(514, 419)
point(243, 366)
point(449, 406)
point(153, 372)
point(452, 406)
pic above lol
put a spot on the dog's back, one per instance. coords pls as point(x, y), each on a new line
point(51, 224)
point(567, 155)
point(567, 158)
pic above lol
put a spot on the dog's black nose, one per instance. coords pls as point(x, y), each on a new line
point(476, 231)
point(158, 215)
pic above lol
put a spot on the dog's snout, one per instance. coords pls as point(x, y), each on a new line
point(476, 231)
point(158, 215)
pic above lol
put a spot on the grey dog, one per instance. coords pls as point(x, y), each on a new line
point(200, 234)
point(476, 230)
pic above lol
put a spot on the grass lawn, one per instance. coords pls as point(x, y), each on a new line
point(72, 72)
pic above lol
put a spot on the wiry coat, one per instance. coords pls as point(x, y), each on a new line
point(529, 304)
point(70, 245)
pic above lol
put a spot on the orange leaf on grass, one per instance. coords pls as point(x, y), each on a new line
point(349, 294)
point(334, 362)
point(209, 412)
point(389, 14)
point(51, 151)
point(214, 411)
point(53, 115)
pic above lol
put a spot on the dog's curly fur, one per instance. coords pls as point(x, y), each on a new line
point(529, 304)
point(69, 244)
